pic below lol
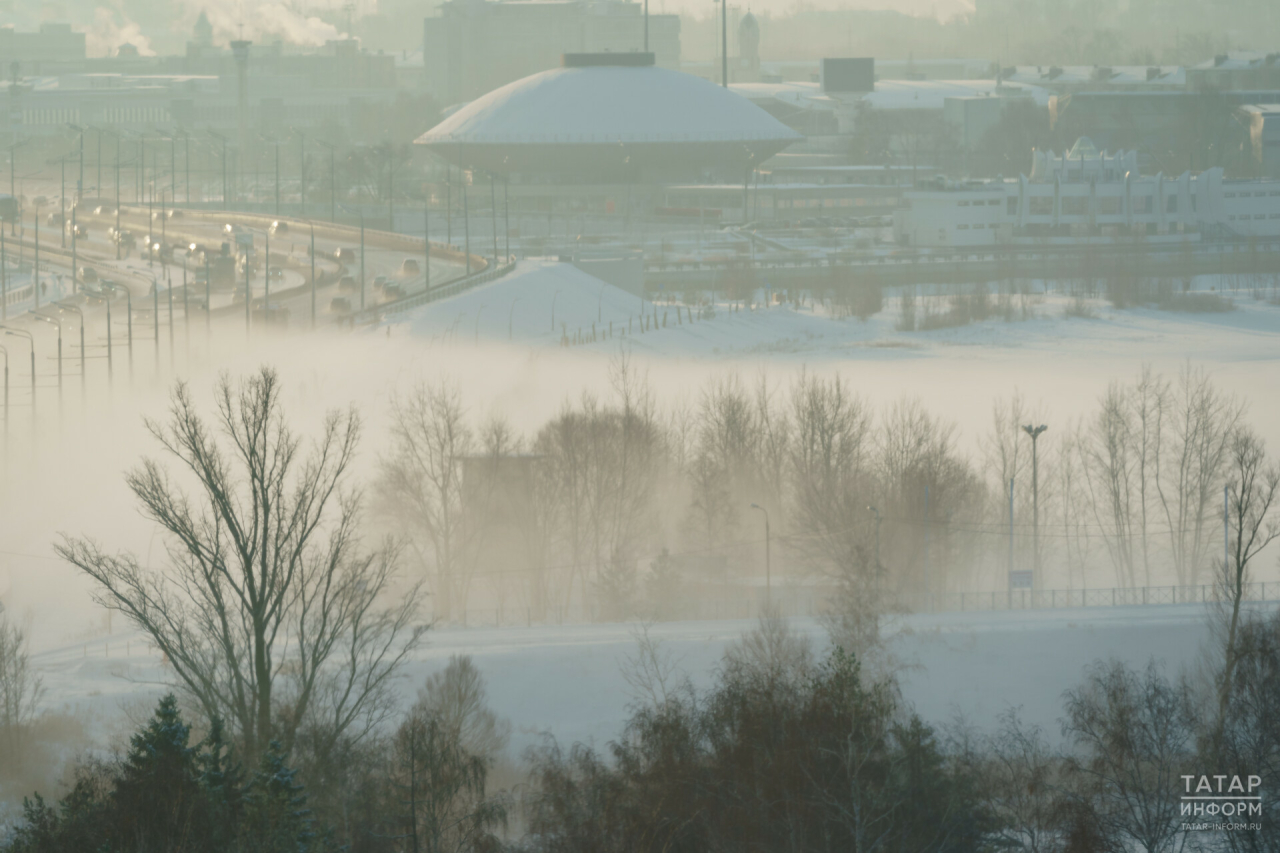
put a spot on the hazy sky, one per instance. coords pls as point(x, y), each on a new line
point(168, 22)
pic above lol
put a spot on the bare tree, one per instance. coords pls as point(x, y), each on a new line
point(267, 606)
point(1133, 732)
point(21, 688)
point(1253, 491)
point(1201, 423)
point(1109, 469)
point(422, 484)
point(457, 695)
point(1023, 777)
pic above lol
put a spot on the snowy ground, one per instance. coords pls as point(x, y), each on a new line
point(498, 342)
point(567, 680)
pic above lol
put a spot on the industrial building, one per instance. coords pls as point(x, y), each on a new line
point(1087, 194)
point(610, 118)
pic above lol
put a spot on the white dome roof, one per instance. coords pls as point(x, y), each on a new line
point(609, 105)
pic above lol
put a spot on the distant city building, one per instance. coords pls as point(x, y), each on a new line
point(1095, 78)
point(475, 46)
point(51, 43)
point(334, 85)
point(1234, 71)
point(1085, 193)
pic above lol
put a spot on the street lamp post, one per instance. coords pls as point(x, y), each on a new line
point(4, 351)
point(313, 276)
point(768, 549)
point(333, 186)
point(30, 339)
point(511, 314)
point(63, 306)
point(128, 295)
point(55, 321)
point(1034, 432)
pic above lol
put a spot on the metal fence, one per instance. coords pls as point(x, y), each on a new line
point(807, 601)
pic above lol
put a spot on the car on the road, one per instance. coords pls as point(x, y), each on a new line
point(392, 292)
point(78, 231)
point(278, 227)
point(347, 284)
point(340, 305)
point(344, 256)
point(40, 201)
point(410, 266)
point(175, 213)
point(88, 275)
point(277, 273)
point(379, 282)
point(54, 218)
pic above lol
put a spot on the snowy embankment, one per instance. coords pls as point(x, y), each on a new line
point(567, 680)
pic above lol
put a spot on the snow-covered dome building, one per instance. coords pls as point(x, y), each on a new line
point(611, 118)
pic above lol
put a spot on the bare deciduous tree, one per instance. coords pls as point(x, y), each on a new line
point(1134, 733)
point(20, 686)
point(1201, 422)
point(1253, 491)
point(268, 608)
point(422, 485)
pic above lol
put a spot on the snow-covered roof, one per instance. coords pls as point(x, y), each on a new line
point(1154, 76)
point(1239, 59)
point(609, 104)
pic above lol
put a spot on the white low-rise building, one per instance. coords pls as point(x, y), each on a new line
point(1086, 193)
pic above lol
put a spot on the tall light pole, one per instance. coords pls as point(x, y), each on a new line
point(55, 321)
point(333, 186)
point(768, 549)
point(1034, 432)
point(724, 43)
point(876, 512)
point(313, 276)
point(30, 339)
point(128, 295)
point(64, 306)
point(5, 353)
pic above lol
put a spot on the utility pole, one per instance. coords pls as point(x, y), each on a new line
point(466, 227)
point(117, 240)
point(302, 173)
point(426, 244)
point(277, 177)
point(1011, 541)
point(62, 205)
point(493, 211)
point(313, 277)
point(1034, 432)
point(872, 509)
point(362, 259)
point(927, 585)
point(768, 550)
point(724, 43)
